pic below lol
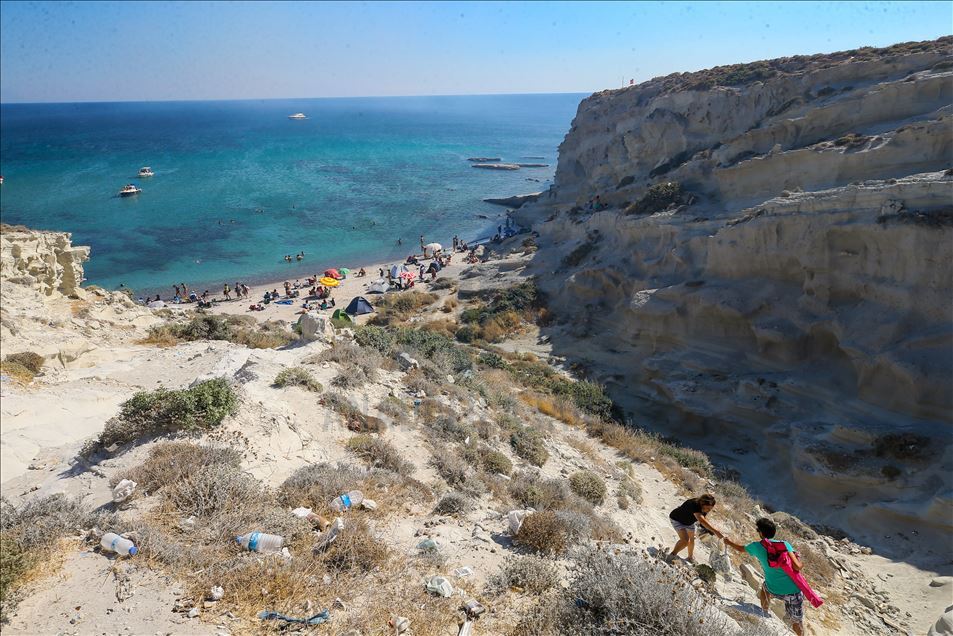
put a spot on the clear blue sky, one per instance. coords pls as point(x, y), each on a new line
point(106, 51)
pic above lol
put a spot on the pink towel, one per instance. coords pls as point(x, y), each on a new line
point(777, 553)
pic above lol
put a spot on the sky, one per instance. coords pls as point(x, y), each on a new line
point(122, 51)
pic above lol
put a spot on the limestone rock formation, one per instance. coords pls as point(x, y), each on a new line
point(46, 261)
point(769, 271)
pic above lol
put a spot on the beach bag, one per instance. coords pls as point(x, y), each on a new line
point(778, 557)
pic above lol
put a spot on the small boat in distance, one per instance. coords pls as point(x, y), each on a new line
point(146, 171)
point(298, 116)
point(129, 190)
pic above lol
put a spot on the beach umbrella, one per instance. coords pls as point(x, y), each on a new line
point(407, 275)
point(327, 281)
point(433, 247)
point(343, 271)
point(394, 271)
point(332, 273)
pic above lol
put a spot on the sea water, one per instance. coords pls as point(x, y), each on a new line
point(238, 185)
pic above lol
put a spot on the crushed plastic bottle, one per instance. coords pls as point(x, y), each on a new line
point(112, 542)
point(440, 586)
point(347, 500)
point(123, 490)
point(261, 542)
point(428, 545)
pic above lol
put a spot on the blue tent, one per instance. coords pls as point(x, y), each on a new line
point(358, 306)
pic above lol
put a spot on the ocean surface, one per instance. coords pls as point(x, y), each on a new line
point(238, 185)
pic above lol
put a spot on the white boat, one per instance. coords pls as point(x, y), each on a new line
point(146, 171)
point(298, 116)
point(129, 190)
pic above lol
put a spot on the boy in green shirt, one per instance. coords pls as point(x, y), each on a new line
point(776, 582)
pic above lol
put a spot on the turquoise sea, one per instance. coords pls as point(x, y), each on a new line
point(238, 185)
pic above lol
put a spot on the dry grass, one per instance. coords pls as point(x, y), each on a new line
point(533, 491)
point(354, 420)
point(529, 574)
point(453, 503)
point(529, 444)
point(394, 408)
point(172, 462)
point(395, 309)
point(243, 330)
point(493, 461)
point(297, 376)
point(545, 532)
point(379, 453)
point(449, 305)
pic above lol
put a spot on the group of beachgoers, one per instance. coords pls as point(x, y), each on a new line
point(779, 560)
point(297, 257)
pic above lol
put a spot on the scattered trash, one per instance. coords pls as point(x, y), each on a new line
point(428, 545)
point(465, 571)
point(466, 629)
point(473, 608)
point(369, 504)
point(187, 525)
point(440, 586)
point(193, 613)
point(720, 562)
point(347, 500)
point(112, 542)
point(399, 624)
point(339, 604)
point(286, 553)
point(123, 490)
point(317, 619)
point(261, 542)
point(515, 519)
point(216, 593)
point(328, 536)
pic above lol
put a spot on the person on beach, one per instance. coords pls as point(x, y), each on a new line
point(177, 293)
point(399, 242)
point(227, 292)
point(185, 290)
point(361, 273)
point(421, 241)
point(778, 583)
point(381, 272)
point(684, 518)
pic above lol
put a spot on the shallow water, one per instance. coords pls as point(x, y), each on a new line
point(238, 185)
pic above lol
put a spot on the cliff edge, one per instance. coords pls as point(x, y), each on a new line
point(756, 260)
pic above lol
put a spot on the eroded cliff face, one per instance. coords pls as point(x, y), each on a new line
point(44, 261)
point(789, 292)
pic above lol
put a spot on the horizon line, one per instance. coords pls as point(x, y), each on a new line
point(265, 99)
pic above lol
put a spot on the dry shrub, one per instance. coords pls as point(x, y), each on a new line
point(415, 381)
point(355, 549)
point(629, 489)
point(379, 453)
point(589, 486)
point(453, 469)
point(545, 532)
point(358, 365)
point(171, 462)
point(453, 503)
point(33, 362)
point(315, 486)
point(16, 371)
point(394, 309)
point(297, 376)
point(530, 574)
point(443, 283)
point(494, 461)
point(394, 408)
point(529, 444)
point(354, 420)
point(449, 305)
point(532, 491)
point(635, 596)
point(243, 330)
point(443, 326)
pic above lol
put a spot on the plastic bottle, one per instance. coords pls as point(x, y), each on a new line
point(347, 500)
point(261, 542)
point(112, 542)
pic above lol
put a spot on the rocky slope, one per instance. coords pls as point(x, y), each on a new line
point(767, 272)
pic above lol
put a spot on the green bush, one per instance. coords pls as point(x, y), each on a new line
point(657, 198)
point(495, 462)
point(688, 458)
point(528, 443)
point(242, 330)
point(201, 407)
point(297, 376)
point(589, 486)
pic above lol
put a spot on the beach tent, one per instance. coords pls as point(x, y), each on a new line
point(394, 271)
point(332, 273)
point(377, 287)
point(329, 282)
point(340, 315)
point(358, 306)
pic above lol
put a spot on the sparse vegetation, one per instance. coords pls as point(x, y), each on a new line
point(379, 453)
point(580, 253)
point(545, 532)
point(243, 330)
point(589, 486)
point(171, 462)
point(453, 503)
point(494, 461)
point(528, 443)
point(659, 197)
point(22, 367)
point(394, 309)
point(530, 574)
point(297, 376)
point(163, 411)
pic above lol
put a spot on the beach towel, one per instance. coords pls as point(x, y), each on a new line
point(778, 557)
point(284, 302)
